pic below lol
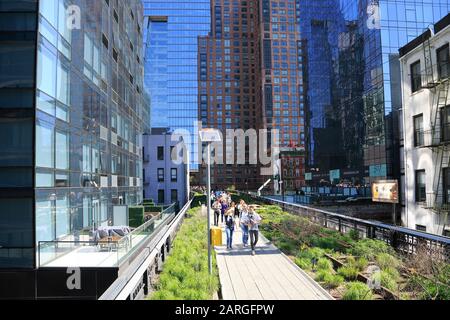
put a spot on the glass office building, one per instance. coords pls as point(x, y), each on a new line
point(72, 117)
point(171, 32)
point(320, 26)
point(366, 97)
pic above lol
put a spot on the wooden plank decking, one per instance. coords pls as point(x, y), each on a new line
point(269, 275)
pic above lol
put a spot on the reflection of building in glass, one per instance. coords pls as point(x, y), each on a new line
point(320, 27)
point(367, 73)
point(71, 124)
point(171, 31)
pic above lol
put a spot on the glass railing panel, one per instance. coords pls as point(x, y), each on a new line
point(108, 252)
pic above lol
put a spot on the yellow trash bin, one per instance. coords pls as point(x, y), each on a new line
point(216, 236)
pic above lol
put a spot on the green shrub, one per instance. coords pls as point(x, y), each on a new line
point(436, 286)
point(332, 281)
point(324, 264)
point(349, 272)
point(385, 261)
point(307, 255)
point(329, 279)
point(369, 248)
point(322, 274)
point(136, 216)
point(185, 275)
point(432, 290)
point(198, 201)
point(361, 263)
point(386, 280)
point(288, 246)
point(357, 291)
point(354, 235)
point(329, 242)
point(303, 263)
point(393, 273)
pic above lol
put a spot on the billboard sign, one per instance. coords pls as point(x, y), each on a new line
point(385, 191)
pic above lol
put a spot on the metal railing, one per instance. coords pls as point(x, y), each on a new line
point(404, 240)
point(120, 289)
point(88, 253)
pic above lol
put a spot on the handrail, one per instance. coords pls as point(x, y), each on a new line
point(125, 246)
point(401, 238)
point(120, 284)
point(146, 224)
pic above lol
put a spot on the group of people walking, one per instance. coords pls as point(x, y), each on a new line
point(233, 216)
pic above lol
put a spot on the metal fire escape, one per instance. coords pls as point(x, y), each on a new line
point(437, 138)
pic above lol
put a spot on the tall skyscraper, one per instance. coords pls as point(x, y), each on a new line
point(171, 34)
point(252, 77)
point(229, 85)
point(284, 84)
point(72, 117)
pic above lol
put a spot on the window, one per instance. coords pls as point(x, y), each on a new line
point(418, 131)
point(17, 142)
point(62, 85)
point(62, 151)
point(445, 123)
point(46, 71)
point(443, 60)
point(174, 175)
point(421, 195)
point(49, 9)
point(160, 175)
point(45, 147)
point(45, 228)
point(174, 196)
point(16, 223)
point(446, 186)
point(416, 78)
point(160, 153)
point(161, 198)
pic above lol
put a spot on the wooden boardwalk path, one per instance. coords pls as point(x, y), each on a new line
point(270, 275)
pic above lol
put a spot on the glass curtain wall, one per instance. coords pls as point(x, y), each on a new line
point(17, 82)
point(171, 36)
point(90, 115)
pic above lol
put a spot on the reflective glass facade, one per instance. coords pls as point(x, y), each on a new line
point(171, 32)
point(87, 116)
point(17, 82)
point(367, 95)
point(320, 26)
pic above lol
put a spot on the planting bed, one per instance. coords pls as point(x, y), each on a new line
point(185, 275)
point(352, 268)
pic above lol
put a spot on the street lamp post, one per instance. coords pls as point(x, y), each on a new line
point(209, 136)
point(209, 208)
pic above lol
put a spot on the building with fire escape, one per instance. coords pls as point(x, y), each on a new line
point(425, 64)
